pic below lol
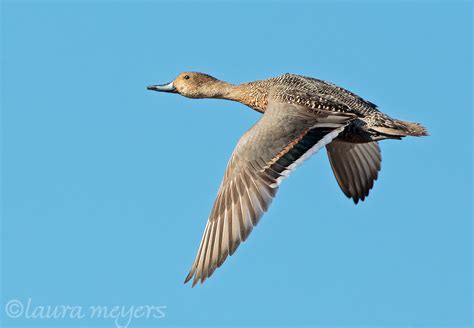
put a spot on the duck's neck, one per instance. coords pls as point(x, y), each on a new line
point(249, 94)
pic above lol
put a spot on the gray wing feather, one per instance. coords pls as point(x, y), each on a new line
point(355, 166)
point(284, 137)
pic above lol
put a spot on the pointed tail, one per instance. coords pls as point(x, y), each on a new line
point(401, 129)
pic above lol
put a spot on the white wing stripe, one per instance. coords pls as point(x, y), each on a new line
point(320, 144)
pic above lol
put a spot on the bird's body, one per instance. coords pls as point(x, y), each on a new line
point(314, 94)
point(300, 116)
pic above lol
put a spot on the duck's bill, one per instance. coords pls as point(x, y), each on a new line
point(163, 87)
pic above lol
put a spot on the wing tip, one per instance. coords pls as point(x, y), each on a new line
point(192, 273)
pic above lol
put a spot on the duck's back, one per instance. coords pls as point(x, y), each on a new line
point(323, 91)
point(371, 124)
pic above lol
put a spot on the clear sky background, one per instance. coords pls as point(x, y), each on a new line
point(106, 187)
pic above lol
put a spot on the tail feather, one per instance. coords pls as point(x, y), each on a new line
point(402, 129)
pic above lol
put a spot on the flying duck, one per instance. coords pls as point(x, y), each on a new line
point(300, 116)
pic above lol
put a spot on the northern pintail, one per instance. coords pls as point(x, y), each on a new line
point(300, 116)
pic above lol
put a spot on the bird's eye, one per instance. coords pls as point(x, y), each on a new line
point(186, 77)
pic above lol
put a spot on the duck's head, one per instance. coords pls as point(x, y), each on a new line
point(191, 85)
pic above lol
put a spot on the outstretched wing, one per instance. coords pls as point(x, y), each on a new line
point(355, 166)
point(282, 139)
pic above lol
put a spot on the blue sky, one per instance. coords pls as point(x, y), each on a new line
point(106, 187)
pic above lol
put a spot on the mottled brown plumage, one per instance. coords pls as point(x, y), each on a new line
point(300, 116)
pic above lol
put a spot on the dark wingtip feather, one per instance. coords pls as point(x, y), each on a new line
point(188, 277)
point(361, 199)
